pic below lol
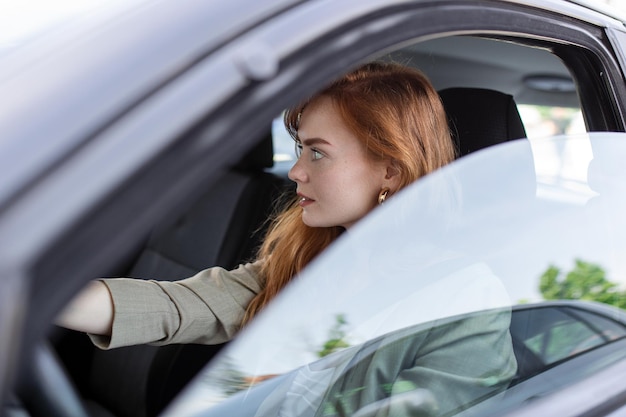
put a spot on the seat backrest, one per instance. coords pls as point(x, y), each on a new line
point(479, 118)
point(224, 227)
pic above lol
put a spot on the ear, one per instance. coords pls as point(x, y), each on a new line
point(392, 177)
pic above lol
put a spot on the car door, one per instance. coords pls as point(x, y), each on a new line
point(197, 99)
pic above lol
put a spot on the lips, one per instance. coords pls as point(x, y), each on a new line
point(304, 201)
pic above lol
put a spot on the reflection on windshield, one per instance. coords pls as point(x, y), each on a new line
point(423, 290)
point(228, 379)
point(441, 362)
point(585, 281)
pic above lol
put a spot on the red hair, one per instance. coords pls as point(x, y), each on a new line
point(398, 115)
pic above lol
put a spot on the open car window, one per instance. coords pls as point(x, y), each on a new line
point(542, 84)
point(494, 256)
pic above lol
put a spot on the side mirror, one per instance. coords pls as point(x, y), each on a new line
point(419, 402)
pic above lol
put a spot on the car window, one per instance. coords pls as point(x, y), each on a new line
point(557, 333)
point(458, 267)
point(557, 343)
point(605, 329)
point(539, 82)
point(539, 122)
point(284, 147)
point(544, 121)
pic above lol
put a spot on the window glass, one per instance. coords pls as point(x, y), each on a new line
point(543, 121)
point(284, 147)
point(605, 329)
point(558, 343)
point(427, 295)
point(538, 81)
point(556, 333)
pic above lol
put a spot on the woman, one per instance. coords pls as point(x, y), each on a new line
point(360, 140)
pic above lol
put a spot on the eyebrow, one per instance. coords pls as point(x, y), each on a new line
point(313, 141)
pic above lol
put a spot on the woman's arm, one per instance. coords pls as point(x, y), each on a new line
point(206, 308)
point(91, 311)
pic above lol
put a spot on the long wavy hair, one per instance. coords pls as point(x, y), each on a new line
point(397, 114)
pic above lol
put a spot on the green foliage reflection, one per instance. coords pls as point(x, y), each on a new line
point(586, 281)
point(336, 337)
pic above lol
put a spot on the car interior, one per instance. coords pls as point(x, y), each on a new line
point(481, 81)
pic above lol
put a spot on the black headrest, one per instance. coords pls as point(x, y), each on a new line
point(480, 117)
point(261, 156)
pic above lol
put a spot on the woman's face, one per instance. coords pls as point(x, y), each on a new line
point(336, 182)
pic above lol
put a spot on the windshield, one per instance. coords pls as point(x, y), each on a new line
point(489, 257)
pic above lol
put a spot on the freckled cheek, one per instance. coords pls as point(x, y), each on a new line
point(356, 188)
point(332, 186)
point(345, 183)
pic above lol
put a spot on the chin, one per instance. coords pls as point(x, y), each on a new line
point(311, 222)
point(314, 224)
point(322, 223)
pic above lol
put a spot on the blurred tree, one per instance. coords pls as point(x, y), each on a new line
point(336, 337)
point(227, 378)
point(587, 281)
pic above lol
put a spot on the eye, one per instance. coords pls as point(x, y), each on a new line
point(316, 154)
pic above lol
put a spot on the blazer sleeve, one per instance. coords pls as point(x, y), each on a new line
point(207, 308)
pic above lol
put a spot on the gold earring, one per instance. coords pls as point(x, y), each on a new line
point(382, 196)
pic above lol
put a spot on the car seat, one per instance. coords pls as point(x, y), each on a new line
point(223, 227)
point(480, 117)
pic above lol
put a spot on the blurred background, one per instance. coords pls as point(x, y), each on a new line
point(618, 4)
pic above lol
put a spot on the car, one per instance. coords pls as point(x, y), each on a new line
point(543, 367)
point(140, 139)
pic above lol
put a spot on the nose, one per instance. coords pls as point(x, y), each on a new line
point(297, 172)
